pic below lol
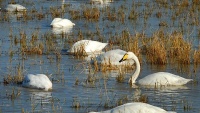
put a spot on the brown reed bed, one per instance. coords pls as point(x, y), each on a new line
point(156, 52)
point(56, 12)
point(179, 49)
point(14, 79)
point(75, 14)
point(91, 13)
point(196, 56)
point(164, 48)
point(32, 46)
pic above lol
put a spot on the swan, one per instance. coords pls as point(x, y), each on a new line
point(102, 1)
point(59, 23)
point(88, 46)
point(38, 81)
point(112, 57)
point(159, 78)
point(136, 107)
point(15, 7)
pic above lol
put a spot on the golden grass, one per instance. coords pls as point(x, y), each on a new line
point(14, 79)
point(179, 49)
point(121, 76)
point(91, 13)
point(156, 52)
point(196, 56)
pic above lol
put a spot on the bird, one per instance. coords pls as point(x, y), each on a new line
point(136, 107)
point(101, 1)
point(112, 57)
point(87, 46)
point(15, 7)
point(155, 79)
point(38, 81)
point(60, 23)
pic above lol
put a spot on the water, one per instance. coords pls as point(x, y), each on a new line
point(105, 91)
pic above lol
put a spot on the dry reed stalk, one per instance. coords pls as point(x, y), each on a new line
point(91, 13)
point(179, 49)
point(75, 14)
point(196, 56)
point(121, 75)
point(16, 79)
point(156, 52)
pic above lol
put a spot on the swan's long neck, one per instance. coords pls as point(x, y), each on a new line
point(137, 71)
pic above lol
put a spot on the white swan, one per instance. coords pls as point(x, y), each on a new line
point(38, 81)
point(102, 1)
point(88, 46)
point(159, 78)
point(59, 23)
point(15, 7)
point(112, 57)
point(136, 107)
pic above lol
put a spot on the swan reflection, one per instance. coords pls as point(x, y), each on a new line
point(41, 97)
point(63, 30)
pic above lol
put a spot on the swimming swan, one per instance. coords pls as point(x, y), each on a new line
point(59, 23)
point(112, 57)
point(88, 46)
point(102, 1)
point(159, 78)
point(136, 107)
point(38, 81)
point(15, 7)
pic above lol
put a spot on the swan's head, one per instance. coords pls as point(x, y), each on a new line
point(128, 56)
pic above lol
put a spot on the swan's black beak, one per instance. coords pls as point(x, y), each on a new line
point(121, 60)
point(124, 58)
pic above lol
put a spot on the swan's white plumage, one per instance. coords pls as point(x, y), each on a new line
point(159, 78)
point(136, 107)
point(38, 81)
point(89, 46)
point(112, 57)
point(59, 22)
point(163, 78)
point(15, 7)
point(102, 1)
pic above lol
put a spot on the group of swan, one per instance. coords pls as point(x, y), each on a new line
point(59, 25)
point(114, 57)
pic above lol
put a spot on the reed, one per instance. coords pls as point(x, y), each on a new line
point(91, 13)
point(76, 103)
point(156, 52)
point(14, 79)
point(179, 49)
point(121, 76)
point(196, 56)
point(14, 94)
point(55, 12)
point(75, 14)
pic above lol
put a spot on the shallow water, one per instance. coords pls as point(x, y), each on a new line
point(105, 92)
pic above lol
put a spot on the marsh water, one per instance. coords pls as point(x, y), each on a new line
point(73, 92)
